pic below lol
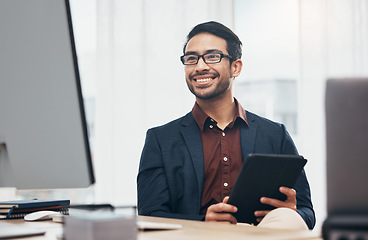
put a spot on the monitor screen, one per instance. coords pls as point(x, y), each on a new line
point(43, 133)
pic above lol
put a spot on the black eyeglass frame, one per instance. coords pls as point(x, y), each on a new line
point(222, 55)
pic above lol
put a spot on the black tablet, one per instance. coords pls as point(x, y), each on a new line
point(261, 176)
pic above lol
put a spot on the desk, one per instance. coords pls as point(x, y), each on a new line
point(192, 230)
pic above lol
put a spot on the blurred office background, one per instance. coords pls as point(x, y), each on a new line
point(132, 79)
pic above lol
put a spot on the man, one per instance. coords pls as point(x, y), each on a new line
point(188, 166)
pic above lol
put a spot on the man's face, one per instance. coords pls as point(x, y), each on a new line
point(209, 81)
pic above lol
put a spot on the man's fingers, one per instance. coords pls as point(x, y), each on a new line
point(273, 202)
point(290, 201)
point(222, 207)
point(221, 212)
point(221, 217)
point(289, 192)
point(261, 213)
point(226, 199)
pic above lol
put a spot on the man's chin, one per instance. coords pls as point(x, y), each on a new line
point(205, 93)
point(205, 96)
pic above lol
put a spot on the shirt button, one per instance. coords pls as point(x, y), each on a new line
point(225, 159)
point(223, 134)
point(211, 126)
point(226, 184)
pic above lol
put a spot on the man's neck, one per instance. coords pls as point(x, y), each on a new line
point(221, 110)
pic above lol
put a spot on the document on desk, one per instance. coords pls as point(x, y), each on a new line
point(150, 226)
point(12, 231)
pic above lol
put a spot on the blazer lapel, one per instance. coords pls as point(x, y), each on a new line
point(248, 135)
point(190, 132)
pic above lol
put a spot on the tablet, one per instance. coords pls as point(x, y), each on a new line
point(261, 176)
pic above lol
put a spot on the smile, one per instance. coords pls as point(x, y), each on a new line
point(203, 80)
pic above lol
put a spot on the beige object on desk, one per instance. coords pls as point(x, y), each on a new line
point(283, 218)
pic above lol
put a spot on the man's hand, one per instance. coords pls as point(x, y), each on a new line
point(290, 202)
point(221, 212)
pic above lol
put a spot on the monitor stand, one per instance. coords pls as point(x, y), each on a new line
point(2, 147)
point(6, 171)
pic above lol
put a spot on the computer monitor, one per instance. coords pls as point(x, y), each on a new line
point(43, 134)
point(346, 146)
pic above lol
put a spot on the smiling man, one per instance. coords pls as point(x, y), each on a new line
point(189, 166)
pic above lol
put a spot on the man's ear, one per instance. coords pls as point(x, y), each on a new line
point(236, 67)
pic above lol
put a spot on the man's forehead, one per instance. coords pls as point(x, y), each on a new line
point(206, 42)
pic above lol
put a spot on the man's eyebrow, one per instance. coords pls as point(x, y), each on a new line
point(213, 51)
point(207, 51)
point(191, 53)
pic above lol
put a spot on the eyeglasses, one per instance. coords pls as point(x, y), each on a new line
point(209, 58)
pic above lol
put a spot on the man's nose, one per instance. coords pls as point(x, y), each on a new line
point(201, 65)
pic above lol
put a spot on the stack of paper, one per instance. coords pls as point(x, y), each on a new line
point(19, 208)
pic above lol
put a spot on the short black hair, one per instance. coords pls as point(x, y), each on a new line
point(234, 45)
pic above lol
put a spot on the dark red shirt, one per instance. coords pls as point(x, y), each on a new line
point(222, 155)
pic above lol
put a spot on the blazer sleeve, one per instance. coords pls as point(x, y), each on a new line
point(154, 198)
point(303, 195)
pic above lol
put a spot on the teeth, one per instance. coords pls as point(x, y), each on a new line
point(204, 80)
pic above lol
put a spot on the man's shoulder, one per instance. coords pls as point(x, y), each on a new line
point(273, 133)
point(174, 125)
point(254, 119)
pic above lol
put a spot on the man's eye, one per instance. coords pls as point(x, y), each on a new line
point(213, 56)
point(191, 58)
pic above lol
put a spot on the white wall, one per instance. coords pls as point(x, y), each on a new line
point(333, 43)
point(140, 81)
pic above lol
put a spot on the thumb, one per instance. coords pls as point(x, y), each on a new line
point(226, 199)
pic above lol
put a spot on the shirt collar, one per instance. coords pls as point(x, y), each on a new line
point(201, 117)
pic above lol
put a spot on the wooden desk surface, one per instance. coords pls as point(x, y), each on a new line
point(192, 230)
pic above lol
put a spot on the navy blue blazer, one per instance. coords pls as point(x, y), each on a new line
point(171, 170)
